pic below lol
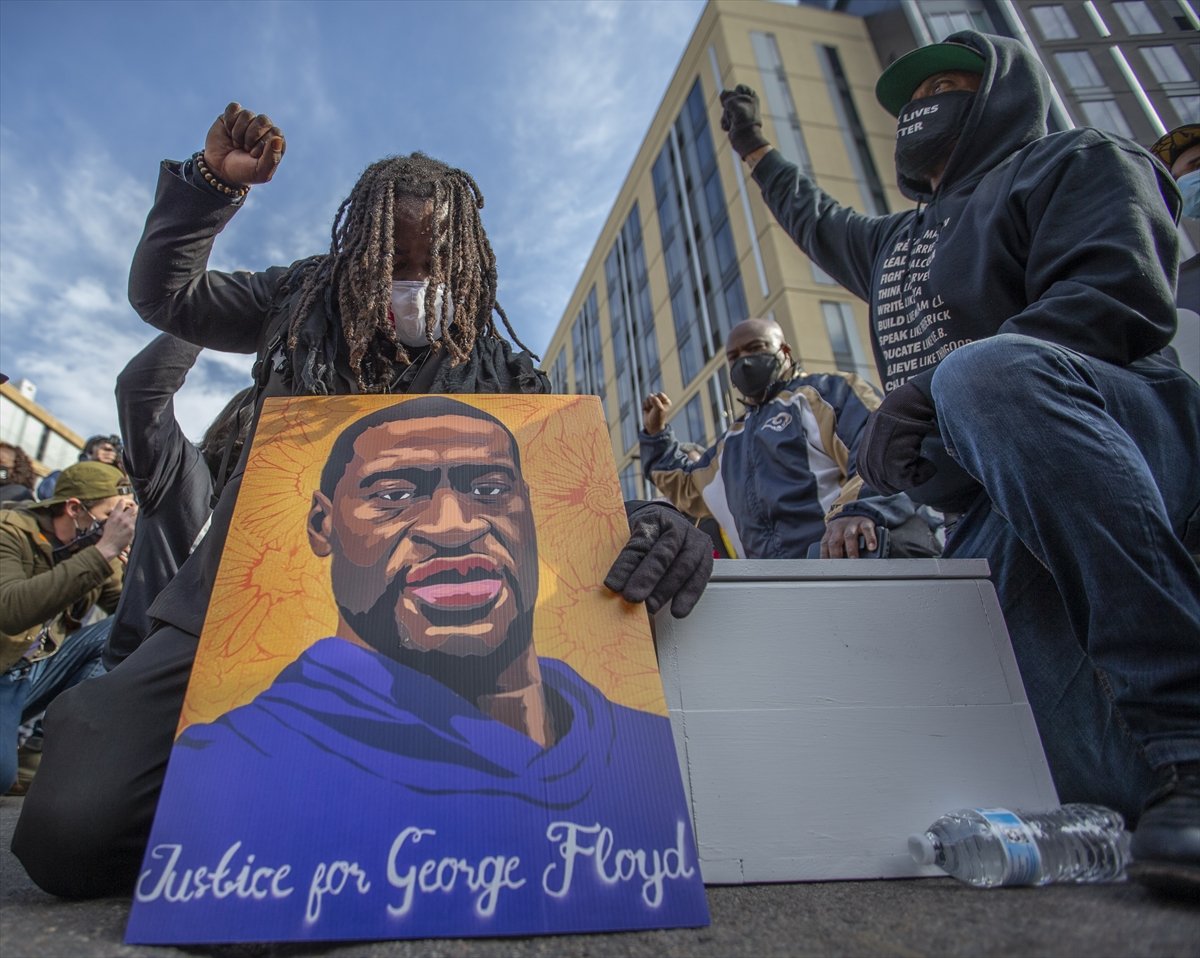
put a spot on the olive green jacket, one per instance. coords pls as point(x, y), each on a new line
point(34, 591)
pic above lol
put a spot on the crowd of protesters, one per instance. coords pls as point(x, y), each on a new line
point(1036, 416)
point(62, 565)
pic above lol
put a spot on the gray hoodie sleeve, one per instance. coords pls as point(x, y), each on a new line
point(841, 241)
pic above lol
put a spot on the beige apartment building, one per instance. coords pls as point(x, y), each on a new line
point(689, 248)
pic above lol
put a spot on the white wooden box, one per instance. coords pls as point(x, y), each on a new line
point(823, 711)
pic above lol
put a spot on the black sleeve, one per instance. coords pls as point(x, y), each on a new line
point(1103, 255)
point(169, 285)
point(145, 393)
point(840, 240)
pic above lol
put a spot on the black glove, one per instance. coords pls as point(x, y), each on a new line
point(666, 559)
point(741, 120)
point(889, 454)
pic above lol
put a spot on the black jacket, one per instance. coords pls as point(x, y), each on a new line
point(248, 312)
point(170, 477)
point(1058, 237)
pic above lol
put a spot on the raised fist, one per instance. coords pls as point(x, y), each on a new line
point(654, 411)
point(740, 118)
point(243, 148)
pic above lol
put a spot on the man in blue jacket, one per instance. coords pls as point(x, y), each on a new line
point(1016, 316)
point(782, 481)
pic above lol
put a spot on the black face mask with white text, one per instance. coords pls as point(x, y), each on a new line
point(926, 132)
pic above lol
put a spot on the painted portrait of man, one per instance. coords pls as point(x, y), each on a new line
point(422, 771)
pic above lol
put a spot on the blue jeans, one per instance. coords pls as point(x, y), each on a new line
point(1090, 511)
point(26, 690)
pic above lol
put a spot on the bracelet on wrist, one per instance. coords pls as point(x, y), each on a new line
point(218, 184)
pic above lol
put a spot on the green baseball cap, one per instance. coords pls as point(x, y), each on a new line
point(897, 82)
point(87, 481)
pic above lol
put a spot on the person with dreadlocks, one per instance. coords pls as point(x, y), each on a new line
point(403, 302)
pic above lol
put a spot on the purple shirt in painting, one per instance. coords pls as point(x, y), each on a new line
point(358, 798)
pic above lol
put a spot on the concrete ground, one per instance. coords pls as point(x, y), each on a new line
point(914, 917)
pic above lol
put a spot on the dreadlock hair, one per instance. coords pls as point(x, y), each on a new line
point(357, 270)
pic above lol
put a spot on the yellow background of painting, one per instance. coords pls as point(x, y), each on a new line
point(272, 597)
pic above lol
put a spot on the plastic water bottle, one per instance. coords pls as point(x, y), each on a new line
point(986, 847)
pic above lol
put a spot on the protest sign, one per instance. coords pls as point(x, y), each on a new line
point(415, 709)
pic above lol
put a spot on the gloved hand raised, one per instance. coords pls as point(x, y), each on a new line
point(740, 118)
point(666, 559)
point(889, 455)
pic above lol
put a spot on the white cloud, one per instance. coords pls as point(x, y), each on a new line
point(591, 77)
point(89, 297)
point(199, 401)
point(65, 320)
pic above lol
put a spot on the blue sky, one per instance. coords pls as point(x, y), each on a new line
point(544, 102)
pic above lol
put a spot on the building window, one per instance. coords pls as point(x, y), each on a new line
point(723, 241)
point(632, 482)
point(821, 277)
point(1054, 23)
point(558, 373)
point(703, 275)
point(688, 335)
point(720, 401)
point(1136, 17)
point(853, 134)
point(585, 343)
point(1079, 70)
point(848, 353)
point(1187, 108)
point(635, 345)
point(688, 425)
point(1106, 115)
point(941, 25)
point(12, 422)
point(1167, 65)
point(56, 452)
point(778, 100)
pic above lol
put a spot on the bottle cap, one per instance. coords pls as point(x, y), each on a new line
point(922, 849)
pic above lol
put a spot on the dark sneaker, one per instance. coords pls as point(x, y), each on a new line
point(1166, 845)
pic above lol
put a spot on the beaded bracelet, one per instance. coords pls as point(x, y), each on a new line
point(214, 181)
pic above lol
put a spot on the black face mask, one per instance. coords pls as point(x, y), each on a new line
point(90, 536)
point(753, 374)
point(927, 130)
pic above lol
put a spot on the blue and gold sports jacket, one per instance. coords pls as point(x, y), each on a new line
point(782, 469)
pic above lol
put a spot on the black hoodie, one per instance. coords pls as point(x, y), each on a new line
point(1068, 237)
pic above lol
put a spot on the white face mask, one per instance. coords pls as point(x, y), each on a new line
point(409, 310)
